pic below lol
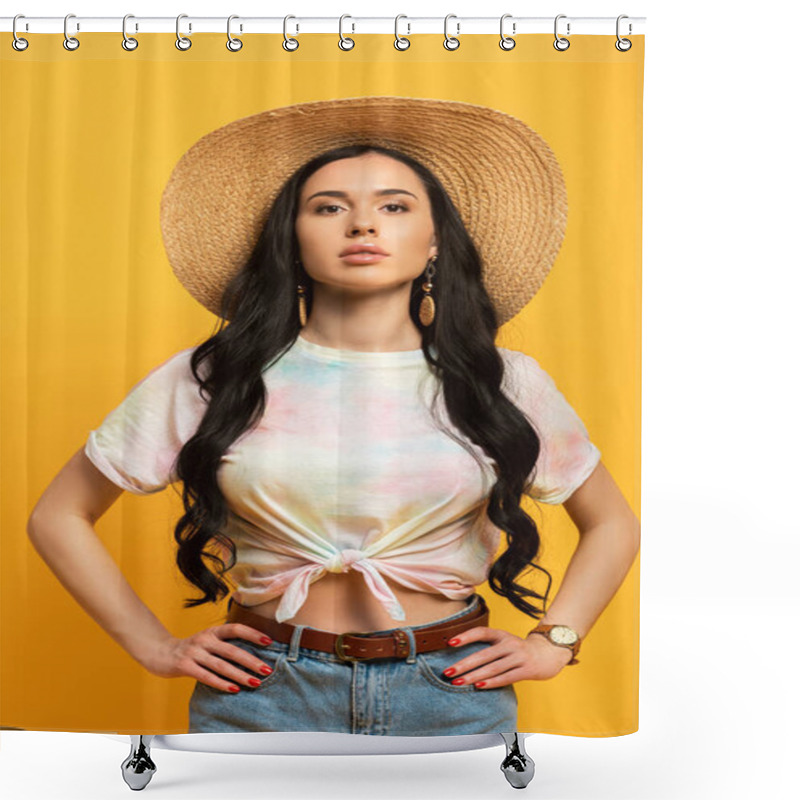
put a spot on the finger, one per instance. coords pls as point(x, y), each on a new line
point(211, 679)
point(238, 630)
point(241, 656)
point(503, 679)
point(480, 634)
point(228, 670)
point(487, 670)
point(487, 655)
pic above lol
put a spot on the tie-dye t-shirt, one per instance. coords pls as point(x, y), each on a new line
point(348, 469)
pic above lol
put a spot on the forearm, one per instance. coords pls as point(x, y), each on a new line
point(73, 551)
point(598, 567)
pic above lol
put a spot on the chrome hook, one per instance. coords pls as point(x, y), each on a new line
point(233, 44)
point(70, 42)
point(290, 43)
point(451, 42)
point(182, 42)
point(345, 42)
point(506, 42)
point(623, 45)
point(18, 43)
point(128, 42)
point(561, 43)
point(400, 42)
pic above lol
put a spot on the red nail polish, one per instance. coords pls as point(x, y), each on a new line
point(458, 681)
point(449, 672)
point(266, 640)
point(480, 683)
point(266, 670)
point(254, 682)
point(233, 689)
point(454, 641)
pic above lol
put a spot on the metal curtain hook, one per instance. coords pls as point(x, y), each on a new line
point(400, 42)
point(506, 42)
point(70, 42)
point(451, 42)
point(290, 43)
point(623, 45)
point(18, 43)
point(182, 42)
point(233, 44)
point(128, 42)
point(345, 42)
point(561, 43)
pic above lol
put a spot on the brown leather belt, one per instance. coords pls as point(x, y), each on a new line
point(363, 645)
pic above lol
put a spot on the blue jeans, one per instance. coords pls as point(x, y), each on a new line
point(312, 690)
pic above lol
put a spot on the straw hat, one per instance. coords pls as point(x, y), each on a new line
point(501, 175)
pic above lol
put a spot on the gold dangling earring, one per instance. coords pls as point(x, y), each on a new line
point(301, 300)
point(427, 308)
point(301, 303)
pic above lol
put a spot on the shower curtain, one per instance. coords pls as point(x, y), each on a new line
point(93, 309)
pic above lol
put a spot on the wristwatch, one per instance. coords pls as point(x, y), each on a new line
point(561, 635)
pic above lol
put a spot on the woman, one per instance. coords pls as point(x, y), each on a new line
point(352, 442)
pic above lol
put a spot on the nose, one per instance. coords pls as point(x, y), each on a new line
point(359, 228)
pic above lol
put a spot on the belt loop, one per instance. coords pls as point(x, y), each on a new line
point(412, 646)
point(294, 644)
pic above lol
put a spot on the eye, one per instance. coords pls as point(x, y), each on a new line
point(321, 209)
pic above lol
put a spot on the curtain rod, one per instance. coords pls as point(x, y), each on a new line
point(456, 26)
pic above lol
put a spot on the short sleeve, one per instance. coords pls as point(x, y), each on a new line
point(138, 442)
point(567, 456)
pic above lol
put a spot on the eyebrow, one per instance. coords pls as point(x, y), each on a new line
point(377, 193)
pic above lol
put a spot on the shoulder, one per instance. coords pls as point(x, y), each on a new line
point(523, 377)
point(178, 365)
point(171, 376)
point(518, 360)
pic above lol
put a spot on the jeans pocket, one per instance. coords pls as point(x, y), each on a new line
point(434, 662)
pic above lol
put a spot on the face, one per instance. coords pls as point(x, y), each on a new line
point(369, 200)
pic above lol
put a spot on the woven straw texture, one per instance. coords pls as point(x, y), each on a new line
point(500, 174)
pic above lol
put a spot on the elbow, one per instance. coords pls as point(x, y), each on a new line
point(39, 522)
point(34, 524)
point(635, 535)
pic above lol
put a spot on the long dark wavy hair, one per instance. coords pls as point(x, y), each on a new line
point(259, 322)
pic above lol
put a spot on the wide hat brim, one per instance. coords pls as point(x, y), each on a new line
point(501, 175)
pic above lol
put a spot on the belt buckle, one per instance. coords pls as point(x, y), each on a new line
point(339, 646)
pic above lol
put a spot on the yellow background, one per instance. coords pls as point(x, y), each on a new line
point(90, 305)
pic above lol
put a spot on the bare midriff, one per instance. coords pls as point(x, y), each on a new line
point(342, 601)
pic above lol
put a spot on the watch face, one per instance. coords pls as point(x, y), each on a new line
point(563, 635)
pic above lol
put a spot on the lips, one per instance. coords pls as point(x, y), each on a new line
point(363, 248)
point(363, 257)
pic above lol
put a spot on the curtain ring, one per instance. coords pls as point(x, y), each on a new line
point(451, 42)
point(128, 42)
point(290, 43)
point(623, 45)
point(345, 42)
point(70, 42)
point(182, 42)
point(18, 43)
point(506, 42)
point(400, 42)
point(233, 44)
point(561, 43)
